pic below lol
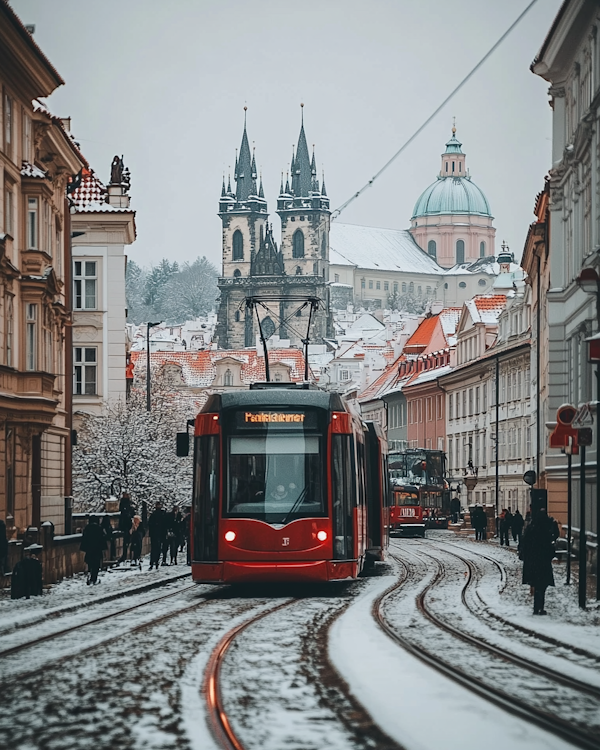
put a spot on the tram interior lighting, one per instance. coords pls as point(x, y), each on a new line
point(229, 536)
point(321, 536)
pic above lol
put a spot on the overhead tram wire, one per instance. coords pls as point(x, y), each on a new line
point(469, 75)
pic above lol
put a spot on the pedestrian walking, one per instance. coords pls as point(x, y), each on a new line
point(455, 509)
point(173, 535)
point(157, 528)
point(537, 551)
point(137, 538)
point(505, 524)
point(93, 543)
point(3, 549)
point(107, 530)
point(517, 526)
point(479, 523)
point(126, 513)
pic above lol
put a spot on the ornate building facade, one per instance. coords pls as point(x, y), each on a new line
point(254, 267)
point(37, 158)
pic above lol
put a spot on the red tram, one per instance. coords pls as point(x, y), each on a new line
point(420, 493)
point(288, 486)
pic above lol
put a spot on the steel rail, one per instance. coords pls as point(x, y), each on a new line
point(59, 611)
point(522, 628)
point(217, 715)
point(49, 636)
point(136, 629)
point(510, 703)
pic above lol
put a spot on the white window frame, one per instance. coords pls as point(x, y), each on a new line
point(83, 369)
point(33, 222)
point(83, 283)
point(31, 336)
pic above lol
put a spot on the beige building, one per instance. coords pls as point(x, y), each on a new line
point(103, 225)
point(37, 159)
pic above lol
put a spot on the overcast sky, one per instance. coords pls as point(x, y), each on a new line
point(165, 83)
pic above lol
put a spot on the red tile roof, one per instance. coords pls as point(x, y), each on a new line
point(422, 336)
point(199, 368)
point(91, 196)
point(490, 301)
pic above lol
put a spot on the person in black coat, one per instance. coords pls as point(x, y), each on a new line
point(137, 538)
point(517, 526)
point(125, 522)
point(107, 530)
point(93, 543)
point(3, 548)
point(537, 551)
point(157, 529)
point(505, 526)
point(26, 579)
point(455, 509)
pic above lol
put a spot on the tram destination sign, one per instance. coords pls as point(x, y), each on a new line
point(276, 419)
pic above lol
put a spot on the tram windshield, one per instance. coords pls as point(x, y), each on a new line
point(275, 477)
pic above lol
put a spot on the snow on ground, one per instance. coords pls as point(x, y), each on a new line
point(72, 592)
point(412, 702)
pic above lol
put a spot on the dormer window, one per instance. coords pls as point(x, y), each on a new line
point(228, 377)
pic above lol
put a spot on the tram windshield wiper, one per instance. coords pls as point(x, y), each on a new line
point(295, 506)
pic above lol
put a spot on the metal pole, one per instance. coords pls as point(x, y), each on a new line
point(265, 349)
point(497, 439)
point(582, 540)
point(598, 471)
point(569, 512)
point(306, 340)
point(148, 367)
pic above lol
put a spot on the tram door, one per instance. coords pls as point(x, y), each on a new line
point(343, 489)
point(206, 498)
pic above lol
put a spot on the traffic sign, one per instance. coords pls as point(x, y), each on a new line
point(564, 430)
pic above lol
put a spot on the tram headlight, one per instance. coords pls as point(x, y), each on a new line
point(230, 536)
point(321, 536)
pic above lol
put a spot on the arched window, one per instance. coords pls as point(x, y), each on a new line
point(237, 273)
point(298, 244)
point(238, 245)
point(482, 249)
point(411, 288)
point(403, 287)
point(460, 251)
point(298, 271)
point(268, 328)
point(432, 248)
point(228, 377)
point(237, 316)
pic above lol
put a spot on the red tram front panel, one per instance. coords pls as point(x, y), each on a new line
point(275, 492)
point(406, 513)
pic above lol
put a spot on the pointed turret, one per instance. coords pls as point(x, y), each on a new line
point(223, 193)
point(453, 158)
point(261, 192)
point(323, 190)
point(302, 173)
point(243, 175)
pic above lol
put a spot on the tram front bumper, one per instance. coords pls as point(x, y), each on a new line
point(273, 572)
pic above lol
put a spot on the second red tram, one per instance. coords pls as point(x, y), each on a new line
point(288, 486)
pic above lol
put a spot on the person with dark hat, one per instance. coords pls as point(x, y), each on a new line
point(93, 543)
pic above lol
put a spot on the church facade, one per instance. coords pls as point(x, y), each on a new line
point(284, 288)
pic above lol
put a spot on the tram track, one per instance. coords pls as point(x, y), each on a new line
point(549, 720)
point(59, 660)
point(576, 650)
point(219, 722)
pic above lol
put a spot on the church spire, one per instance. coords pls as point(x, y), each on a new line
point(301, 171)
point(244, 168)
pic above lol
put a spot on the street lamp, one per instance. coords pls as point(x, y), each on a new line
point(589, 282)
point(149, 326)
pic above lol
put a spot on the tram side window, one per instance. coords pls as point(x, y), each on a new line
point(344, 496)
point(206, 498)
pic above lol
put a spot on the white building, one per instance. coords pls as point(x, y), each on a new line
point(102, 226)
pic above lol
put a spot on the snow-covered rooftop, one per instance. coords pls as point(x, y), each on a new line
point(378, 249)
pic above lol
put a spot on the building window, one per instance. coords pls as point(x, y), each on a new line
point(432, 248)
point(438, 407)
point(378, 284)
point(395, 287)
point(237, 273)
point(462, 284)
point(228, 377)
point(27, 151)
point(32, 223)
point(429, 408)
point(8, 125)
point(411, 288)
point(315, 269)
point(268, 327)
point(48, 343)
point(460, 251)
point(464, 403)
point(362, 283)
point(31, 337)
point(451, 406)
point(370, 284)
point(9, 334)
point(336, 277)
point(47, 213)
point(85, 371)
point(344, 374)
point(482, 249)
point(85, 282)
point(470, 402)
point(403, 287)
point(477, 400)
point(237, 316)
point(238, 245)
point(298, 271)
point(298, 244)
point(9, 211)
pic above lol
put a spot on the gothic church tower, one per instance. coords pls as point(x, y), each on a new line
point(254, 267)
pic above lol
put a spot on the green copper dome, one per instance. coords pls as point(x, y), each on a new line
point(452, 193)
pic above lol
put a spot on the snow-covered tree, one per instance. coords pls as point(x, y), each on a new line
point(189, 293)
point(130, 449)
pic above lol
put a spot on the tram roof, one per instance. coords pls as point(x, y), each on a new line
point(274, 398)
